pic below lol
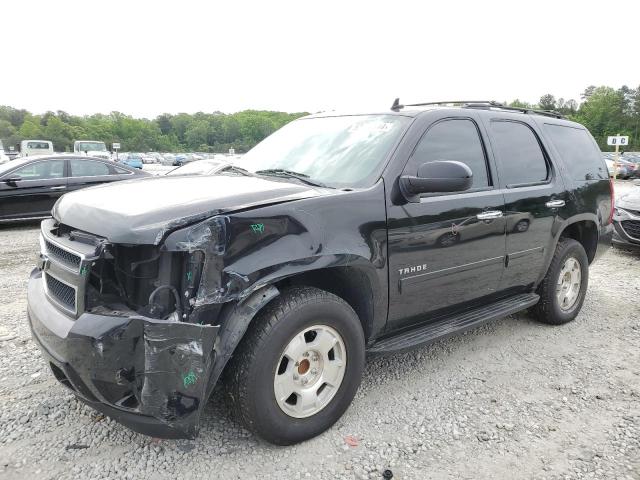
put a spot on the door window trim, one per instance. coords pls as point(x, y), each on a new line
point(490, 176)
point(545, 156)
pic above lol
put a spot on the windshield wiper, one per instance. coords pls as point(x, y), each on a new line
point(281, 172)
point(239, 170)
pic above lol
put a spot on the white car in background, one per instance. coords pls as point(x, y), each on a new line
point(3, 157)
point(30, 148)
point(92, 148)
point(167, 159)
point(146, 158)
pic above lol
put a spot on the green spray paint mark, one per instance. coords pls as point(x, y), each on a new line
point(189, 276)
point(84, 270)
point(189, 379)
point(257, 227)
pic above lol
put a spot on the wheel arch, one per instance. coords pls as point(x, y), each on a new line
point(585, 231)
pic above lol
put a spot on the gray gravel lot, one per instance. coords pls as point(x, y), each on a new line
point(511, 399)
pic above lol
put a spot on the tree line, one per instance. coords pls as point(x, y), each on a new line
point(603, 110)
point(199, 132)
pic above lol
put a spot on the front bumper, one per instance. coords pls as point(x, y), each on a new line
point(152, 376)
point(629, 236)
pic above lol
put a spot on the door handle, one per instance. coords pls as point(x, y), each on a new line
point(61, 187)
point(489, 215)
point(555, 204)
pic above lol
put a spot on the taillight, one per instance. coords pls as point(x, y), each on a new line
point(613, 202)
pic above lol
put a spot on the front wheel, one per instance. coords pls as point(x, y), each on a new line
point(298, 367)
point(563, 289)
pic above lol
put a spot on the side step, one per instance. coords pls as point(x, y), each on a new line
point(447, 326)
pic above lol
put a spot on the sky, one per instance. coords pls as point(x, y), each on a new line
point(144, 57)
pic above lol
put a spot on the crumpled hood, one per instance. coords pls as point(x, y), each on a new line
point(630, 200)
point(142, 211)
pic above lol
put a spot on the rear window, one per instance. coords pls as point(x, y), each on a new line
point(579, 154)
point(38, 145)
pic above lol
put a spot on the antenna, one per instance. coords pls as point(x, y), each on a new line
point(396, 105)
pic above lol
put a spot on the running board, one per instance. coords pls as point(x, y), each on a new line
point(447, 326)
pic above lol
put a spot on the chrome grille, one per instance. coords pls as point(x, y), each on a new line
point(632, 227)
point(61, 292)
point(70, 260)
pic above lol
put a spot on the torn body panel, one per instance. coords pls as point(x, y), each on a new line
point(133, 366)
point(245, 251)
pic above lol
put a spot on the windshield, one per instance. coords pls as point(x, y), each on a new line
point(91, 147)
point(199, 168)
point(336, 151)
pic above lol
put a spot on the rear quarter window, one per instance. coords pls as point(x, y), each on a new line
point(579, 154)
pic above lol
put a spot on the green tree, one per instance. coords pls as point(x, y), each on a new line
point(547, 102)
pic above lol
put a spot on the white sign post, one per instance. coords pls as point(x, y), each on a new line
point(116, 147)
point(617, 141)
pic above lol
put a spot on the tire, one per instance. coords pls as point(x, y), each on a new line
point(259, 364)
point(549, 309)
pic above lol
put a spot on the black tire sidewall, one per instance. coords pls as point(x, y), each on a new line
point(575, 250)
point(271, 423)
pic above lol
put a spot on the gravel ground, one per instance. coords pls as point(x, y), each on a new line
point(511, 399)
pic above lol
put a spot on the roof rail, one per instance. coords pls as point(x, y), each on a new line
point(479, 104)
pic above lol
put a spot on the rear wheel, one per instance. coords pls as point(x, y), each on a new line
point(298, 367)
point(564, 287)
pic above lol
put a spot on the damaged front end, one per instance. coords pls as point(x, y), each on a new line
point(122, 326)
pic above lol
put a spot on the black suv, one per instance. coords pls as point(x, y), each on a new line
point(336, 237)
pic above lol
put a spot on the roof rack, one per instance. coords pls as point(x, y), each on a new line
point(479, 104)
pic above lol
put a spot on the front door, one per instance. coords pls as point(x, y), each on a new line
point(36, 188)
point(448, 249)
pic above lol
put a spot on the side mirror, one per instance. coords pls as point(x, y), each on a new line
point(12, 179)
point(436, 177)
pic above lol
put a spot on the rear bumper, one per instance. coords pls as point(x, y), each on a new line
point(150, 375)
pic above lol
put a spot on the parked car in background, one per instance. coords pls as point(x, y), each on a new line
point(201, 167)
point(29, 148)
point(626, 219)
point(148, 159)
point(31, 185)
point(91, 148)
point(3, 157)
point(621, 170)
point(633, 168)
point(180, 159)
point(168, 159)
point(157, 157)
point(133, 160)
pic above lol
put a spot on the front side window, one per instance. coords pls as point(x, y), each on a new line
point(88, 168)
point(454, 139)
point(41, 170)
point(520, 157)
point(342, 151)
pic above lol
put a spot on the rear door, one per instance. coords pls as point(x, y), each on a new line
point(534, 195)
point(448, 249)
point(40, 184)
